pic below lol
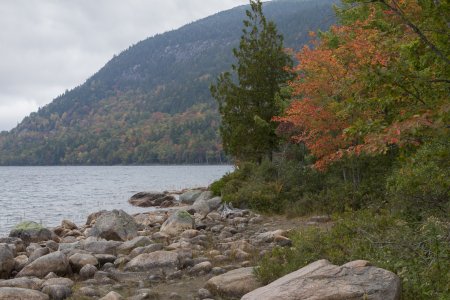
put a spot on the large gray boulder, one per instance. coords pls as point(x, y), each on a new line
point(100, 246)
point(31, 232)
point(55, 262)
point(149, 199)
point(79, 260)
point(323, 280)
point(178, 222)
point(7, 261)
point(32, 283)
point(189, 197)
point(234, 283)
point(159, 261)
point(21, 294)
point(115, 225)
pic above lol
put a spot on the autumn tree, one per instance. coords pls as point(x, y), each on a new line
point(247, 97)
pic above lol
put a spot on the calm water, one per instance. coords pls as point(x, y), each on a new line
point(51, 194)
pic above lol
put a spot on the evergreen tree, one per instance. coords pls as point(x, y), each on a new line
point(249, 98)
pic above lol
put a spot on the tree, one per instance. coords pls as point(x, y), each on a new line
point(248, 98)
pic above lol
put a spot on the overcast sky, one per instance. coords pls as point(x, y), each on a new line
point(48, 46)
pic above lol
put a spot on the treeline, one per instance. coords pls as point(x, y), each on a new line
point(362, 135)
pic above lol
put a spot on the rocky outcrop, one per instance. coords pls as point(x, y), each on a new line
point(114, 225)
point(178, 222)
point(55, 262)
point(149, 199)
point(235, 283)
point(31, 232)
point(7, 262)
point(323, 280)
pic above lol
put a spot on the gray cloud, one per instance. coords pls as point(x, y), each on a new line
point(48, 46)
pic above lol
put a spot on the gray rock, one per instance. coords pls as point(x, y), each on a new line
point(17, 242)
point(31, 283)
point(139, 241)
point(21, 294)
point(92, 218)
point(79, 260)
point(66, 224)
point(69, 246)
point(146, 249)
point(214, 203)
point(158, 261)
point(20, 262)
point(322, 280)
point(87, 271)
point(105, 258)
point(58, 281)
point(52, 245)
point(206, 195)
point(7, 262)
point(31, 232)
point(88, 291)
point(55, 262)
point(112, 296)
point(189, 197)
point(178, 222)
point(115, 225)
point(57, 292)
point(149, 199)
point(201, 268)
point(204, 294)
point(100, 246)
point(201, 206)
point(38, 253)
point(235, 283)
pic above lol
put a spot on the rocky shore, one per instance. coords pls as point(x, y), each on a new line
point(195, 248)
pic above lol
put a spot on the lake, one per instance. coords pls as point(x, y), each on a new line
point(48, 195)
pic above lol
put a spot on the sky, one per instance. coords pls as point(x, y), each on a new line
point(49, 46)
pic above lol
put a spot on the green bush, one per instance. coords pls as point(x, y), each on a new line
point(418, 253)
point(421, 185)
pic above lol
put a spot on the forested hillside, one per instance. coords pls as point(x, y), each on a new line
point(151, 103)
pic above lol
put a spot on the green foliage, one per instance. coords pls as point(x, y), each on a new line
point(248, 105)
point(418, 253)
point(420, 186)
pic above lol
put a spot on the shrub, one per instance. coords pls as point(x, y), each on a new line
point(418, 253)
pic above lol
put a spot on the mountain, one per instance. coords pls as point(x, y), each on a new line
point(151, 103)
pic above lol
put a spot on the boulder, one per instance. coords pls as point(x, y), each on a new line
point(88, 271)
point(115, 225)
point(214, 203)
point(57, 292)
point(79, 260)
point(201, 206)
point(69, 225)
point(18, 243)
point(39, 252)
point(323, 280)
point(55, 262)
point(139, 241)
point(162, 261)
point(20, 262)
point(92, 218)
point(149, 199)
point(7, 262)
point(235, 283)
point(31, 283)
point(112, 296)
point(100, 246)
point(31, 232)
point(178, 222)
point(189, 197)
point(58, 281)
point(19, 294)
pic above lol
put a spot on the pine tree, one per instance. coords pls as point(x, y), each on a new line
point(248, 97)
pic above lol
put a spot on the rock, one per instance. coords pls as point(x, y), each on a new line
point(100, 247)
point(66, 224)
point(21, 294)
point(115, 225)
point(190, 233)
point(88, 292)
point(112, 296)
point(31, 283)
point(320, 219)
point(92, 218)
point(7, 261)
point(20, 262)
point(189, 197)
point(55, 262)
point(52, 245)
point(51, 275)
point(69, 246)
point(17, 242)
point(105, 258)
point(201, 206)
point(59, 281)
point(57, 292)
point(267, 237)
point(79, 260)
point(149, 199)
point(204, 293)
point(88, 271)
point(322, 280)
point(139, 241)
point(201, 268)
point(146, 249)
point(235, 283)
point(165, 261)
point(178, 222)
point(214, 203)
point(31, 232)
point(38, 253)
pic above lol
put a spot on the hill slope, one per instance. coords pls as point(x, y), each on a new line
point(151, 103)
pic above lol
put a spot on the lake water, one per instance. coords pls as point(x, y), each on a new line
point(48, 195)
